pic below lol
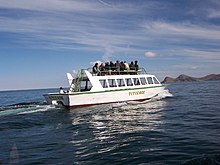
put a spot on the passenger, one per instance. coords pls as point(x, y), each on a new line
point(61, 90)
point(112, 66)
point(126, 66)
point(136, 66)
point(117, 65)
point(132, 67)
point(122, 66)
point(101, 69)
point(95, 68)
point(107, 66)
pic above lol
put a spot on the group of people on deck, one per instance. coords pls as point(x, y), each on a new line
point(119, 67)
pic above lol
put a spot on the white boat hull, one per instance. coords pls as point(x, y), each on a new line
point(103, 97)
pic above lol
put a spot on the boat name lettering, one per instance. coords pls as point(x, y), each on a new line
point(56, 97)
point(136, 93)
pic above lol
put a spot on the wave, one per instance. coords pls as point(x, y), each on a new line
point(165, 94)
point(38, 109)
point(24, 108)
point(204, 160)
point(21, 105)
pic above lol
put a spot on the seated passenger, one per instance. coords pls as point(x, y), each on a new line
point(61, 90)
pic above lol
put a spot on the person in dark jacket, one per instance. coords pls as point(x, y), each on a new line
point(95, 68)
point(136, 65)
point(131, 66)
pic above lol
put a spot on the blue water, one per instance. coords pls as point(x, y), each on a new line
point(180, 126)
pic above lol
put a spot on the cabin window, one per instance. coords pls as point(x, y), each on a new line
point(85, 85)
point(143, 81)
point(156, 81)
point(129, 82)
point(103, 83)
point(112, 83)
point(120, 82)
point(136, 81)
point(150, 80)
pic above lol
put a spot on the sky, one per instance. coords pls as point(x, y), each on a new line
point(42, 40)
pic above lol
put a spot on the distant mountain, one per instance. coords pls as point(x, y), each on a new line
point(185, 78)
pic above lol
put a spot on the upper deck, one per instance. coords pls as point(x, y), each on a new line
point(86, 80)
point(114, 71)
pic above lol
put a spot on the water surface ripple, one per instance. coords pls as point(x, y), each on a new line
point(182, 128)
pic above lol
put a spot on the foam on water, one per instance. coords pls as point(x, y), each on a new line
point(117, 105)
point(204, 160)
point(166, 93)
point(23, 109)
point(38, 109)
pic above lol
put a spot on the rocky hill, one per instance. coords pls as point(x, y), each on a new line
point(185, 78)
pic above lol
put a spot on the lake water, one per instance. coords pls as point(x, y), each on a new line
point(180, 126)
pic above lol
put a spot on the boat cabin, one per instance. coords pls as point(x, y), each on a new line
point(87, 81)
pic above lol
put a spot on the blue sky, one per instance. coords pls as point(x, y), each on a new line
point(41, 40)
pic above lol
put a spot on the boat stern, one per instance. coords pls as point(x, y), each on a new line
point(60, 100)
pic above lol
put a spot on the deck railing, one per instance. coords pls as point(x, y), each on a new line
point(81, 76)
point(78, 80)
point(116, 72)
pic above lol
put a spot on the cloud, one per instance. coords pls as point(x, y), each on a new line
point(214, 14)
point(51, 5)
point(71, 29)
point(150, 54)
point(83, 6)
point(194, 67)
point(183, 29)
point(94, 62)
point(109, 52)
point(88, 25)
point(211, 55)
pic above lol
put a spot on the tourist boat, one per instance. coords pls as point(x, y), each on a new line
point(87, 88)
